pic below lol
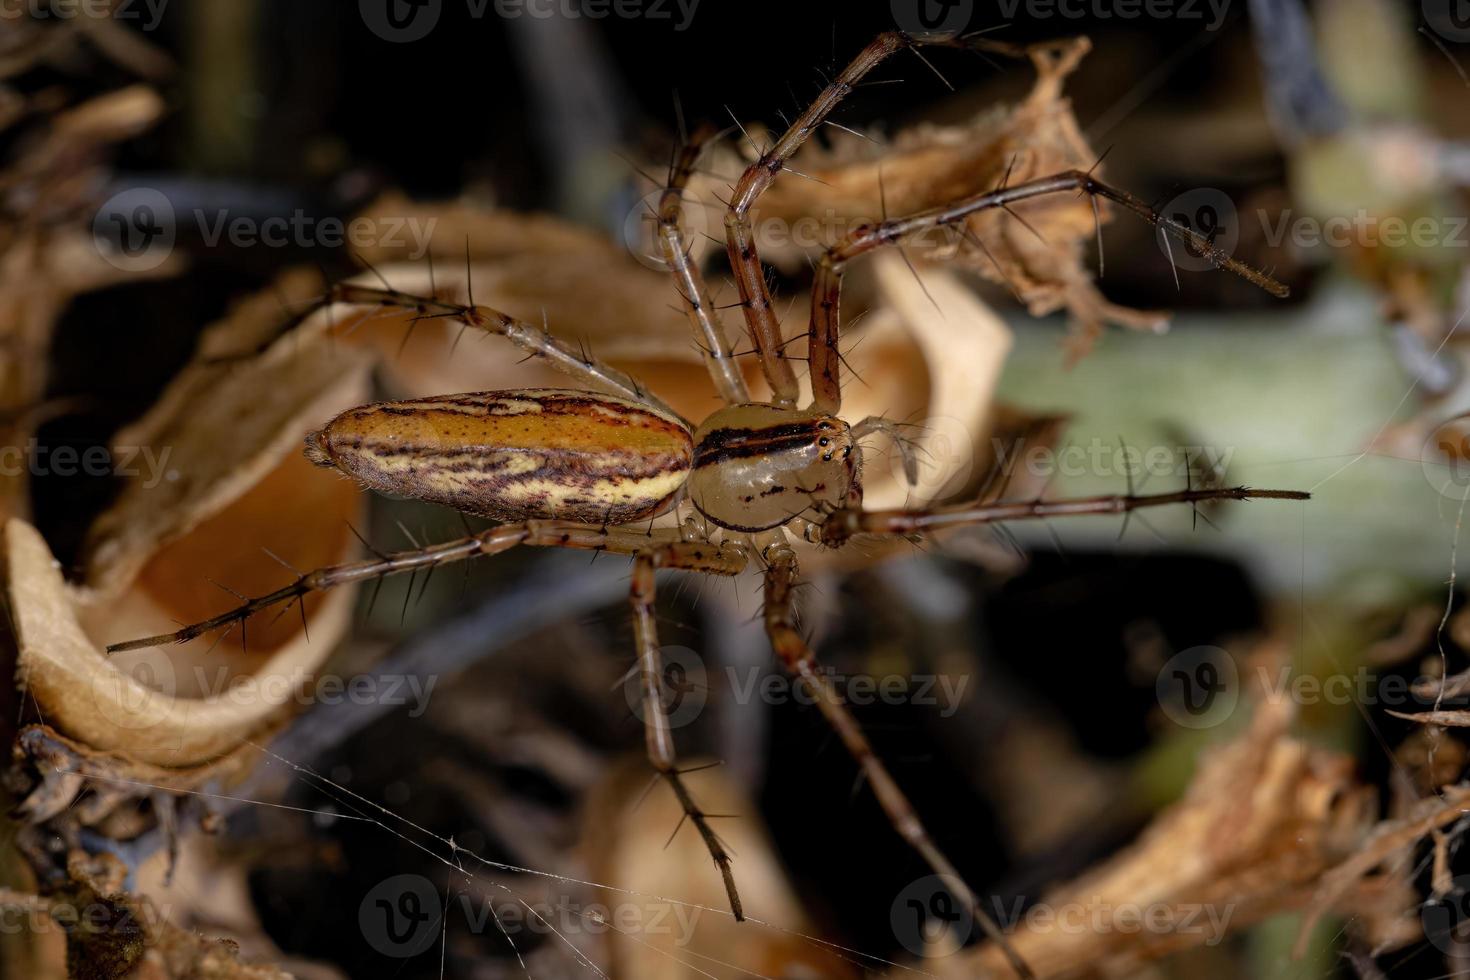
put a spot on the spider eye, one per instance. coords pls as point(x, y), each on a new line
point(823, 441)
point(847, 452)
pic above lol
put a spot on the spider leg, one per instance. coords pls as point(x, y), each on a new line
point(844, 524)
point(714, 340)
point(745, 261)
point(823, 330)
point(755, 296)
point(697, 556)
point(536, 341)
point(798, 659)
point(658, 735)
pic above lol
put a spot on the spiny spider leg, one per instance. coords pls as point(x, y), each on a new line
point(798, 659)
point(823, 332)
point(755, 296)
point(714, 340)
point(716, 559)
point(536, 341)
point(842, 525)
point(658, 735)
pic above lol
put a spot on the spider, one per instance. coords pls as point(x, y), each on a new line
point(580, 468)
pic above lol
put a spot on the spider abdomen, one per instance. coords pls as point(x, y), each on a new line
point(515, 455)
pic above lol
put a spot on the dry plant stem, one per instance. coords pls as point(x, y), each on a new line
point(536, 341)
point(657, 733)
point(715, 342)
point(797, 657)
point(844, 524)
point(824, 333)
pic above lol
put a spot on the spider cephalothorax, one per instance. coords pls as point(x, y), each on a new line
point(579, 469)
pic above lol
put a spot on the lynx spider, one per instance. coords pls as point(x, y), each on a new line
point(574, 469)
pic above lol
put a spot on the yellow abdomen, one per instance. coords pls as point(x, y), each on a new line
point(515, 455)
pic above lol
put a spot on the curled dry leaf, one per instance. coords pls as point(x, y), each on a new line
point(1037, 248)
point(1264, 819)
point(220, 476)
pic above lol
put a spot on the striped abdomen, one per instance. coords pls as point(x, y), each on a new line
point(515, 455)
